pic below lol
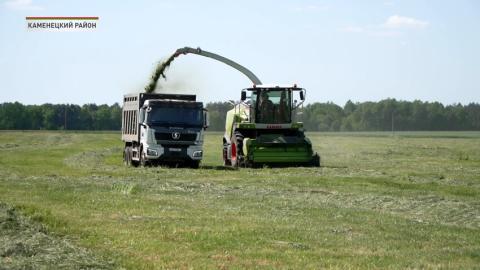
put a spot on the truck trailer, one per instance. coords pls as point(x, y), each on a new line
point(163, 129)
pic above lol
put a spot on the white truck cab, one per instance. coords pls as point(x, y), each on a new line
point(163, 129)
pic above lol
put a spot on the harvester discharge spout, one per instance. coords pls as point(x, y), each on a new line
point(162, 66)
point(235, 65)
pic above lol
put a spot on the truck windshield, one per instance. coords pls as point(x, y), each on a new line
point(178, 116)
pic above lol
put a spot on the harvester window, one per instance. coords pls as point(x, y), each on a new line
point(273, 107)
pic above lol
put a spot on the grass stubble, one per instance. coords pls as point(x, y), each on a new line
point(379, 201)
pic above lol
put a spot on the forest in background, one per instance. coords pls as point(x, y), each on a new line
point(361, 116)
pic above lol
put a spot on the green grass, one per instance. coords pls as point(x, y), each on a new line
point(411, 200)
point(24, 244)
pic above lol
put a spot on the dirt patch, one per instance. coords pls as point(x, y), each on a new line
point(25, 244)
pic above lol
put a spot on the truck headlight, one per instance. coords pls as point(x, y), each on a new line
point(151, 152)
point(197, 154)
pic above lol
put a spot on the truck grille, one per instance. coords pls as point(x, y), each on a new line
point(185, 137)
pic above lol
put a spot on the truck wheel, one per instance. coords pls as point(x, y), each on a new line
point(127, 160)
point(195, 164)
point(143, 159)
point(130, 154)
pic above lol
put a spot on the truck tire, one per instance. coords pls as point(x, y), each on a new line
point(134, 163)
point(194, 164)
point(127, 160)
point(143, 159)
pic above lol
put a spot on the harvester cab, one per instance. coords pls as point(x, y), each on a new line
point(261, 129)
point(272, 105)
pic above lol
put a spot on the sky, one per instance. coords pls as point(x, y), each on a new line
point(336, 50)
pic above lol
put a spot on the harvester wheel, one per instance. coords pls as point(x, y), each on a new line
point(226, 161)
point(234, 160)
point(237, 149)
point(250, 164)
point(239, 142)
point(316, 160)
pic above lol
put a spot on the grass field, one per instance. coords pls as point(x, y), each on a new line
point(411, 200)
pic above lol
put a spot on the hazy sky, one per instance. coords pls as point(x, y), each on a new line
point(337, 50)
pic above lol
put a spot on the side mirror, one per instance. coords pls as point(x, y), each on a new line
point(244, 96)
point(206, 120)
point(302, 96)
point(141, 116)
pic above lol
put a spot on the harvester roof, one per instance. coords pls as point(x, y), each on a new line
point(293, 87)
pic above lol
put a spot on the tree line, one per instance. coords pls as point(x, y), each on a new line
point(391, 114)
point(384, 115)
point(60, 117)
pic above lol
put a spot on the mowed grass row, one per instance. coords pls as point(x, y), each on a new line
point(379, 201)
